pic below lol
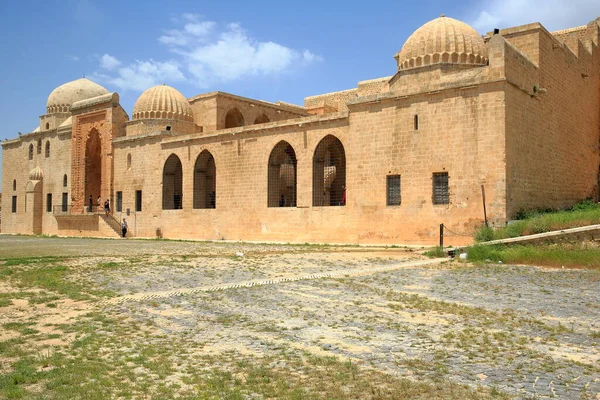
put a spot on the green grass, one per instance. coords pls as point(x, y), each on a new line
point(435, 252)
point(546, 255)
point(582, 214)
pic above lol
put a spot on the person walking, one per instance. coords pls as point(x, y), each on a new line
point(107, 206)
point(124, 227)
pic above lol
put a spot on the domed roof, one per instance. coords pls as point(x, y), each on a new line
point(162, 102)
point(61, 98)
point(443, 40)
point(36, 174)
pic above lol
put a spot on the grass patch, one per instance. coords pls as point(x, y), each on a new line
point(548, 255)
point(529, 223)
point(437, 252)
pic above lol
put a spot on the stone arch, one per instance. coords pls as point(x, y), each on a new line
point(329, 173)
point(172, 184)
point(31, 151)
point(262, 119)
point(47, 149)
point(234, 118)
point(47, 125)
point(282, 176)
point(93, 164)
point(205, 181)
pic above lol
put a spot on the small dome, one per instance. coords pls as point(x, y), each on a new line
point(36, 174)
point(443, 40)
point(162, 102)
point(61, 98)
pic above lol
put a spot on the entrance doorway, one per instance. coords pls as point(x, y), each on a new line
point(93, 167)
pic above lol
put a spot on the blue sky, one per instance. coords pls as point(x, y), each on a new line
point(269, 50)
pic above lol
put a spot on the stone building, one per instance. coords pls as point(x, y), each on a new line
point(516, 112)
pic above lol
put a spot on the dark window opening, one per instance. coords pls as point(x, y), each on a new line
point(47, 149)
point(416, 122)
point(31, 151)
point(234, 118)
point(65, 180)
point(172, 184)
point(205, 183)
point(14, 185)
point(48, 202)
point(168, 128)
point(394, 197)
point(329, 173)
point(138, 200)
point(39, 146)
point(441, 194)
point(119, 201)
point(14, 204)
point(282, 176)
point(47, 125)
point(65, 202)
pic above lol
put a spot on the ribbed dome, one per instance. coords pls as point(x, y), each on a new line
point(61, 98)
point(162, 102)
point(443, 40)
point(36, 174)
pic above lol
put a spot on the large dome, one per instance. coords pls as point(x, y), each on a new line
point(162, 102)
point(443, 40)
point(61, 98)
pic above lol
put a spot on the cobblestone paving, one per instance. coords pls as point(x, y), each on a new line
point(527, 331)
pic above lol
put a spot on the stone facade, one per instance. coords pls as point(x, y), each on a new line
point(517, 113)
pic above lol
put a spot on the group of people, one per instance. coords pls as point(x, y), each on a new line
point(107, 211)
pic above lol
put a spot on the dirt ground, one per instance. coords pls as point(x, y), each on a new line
point(514, 331)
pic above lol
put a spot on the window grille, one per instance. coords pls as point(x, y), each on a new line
point(138, 200)
point(48, 202)
point(205, 181)
point(282, 176)
point(329, 173)
point(119, 201)
point(47, 149)
point(31, 151)
point(172, 184)
point(39, 146)
point(393, 190)
point(441, 194)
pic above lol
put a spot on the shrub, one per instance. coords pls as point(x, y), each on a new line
point(484, 234)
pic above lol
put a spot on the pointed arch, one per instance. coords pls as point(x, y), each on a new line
point(329, 173)
point(172, 184)
point(39, 146)
point(234, 118)
point(282, 176)
point(205, 181)
point(31, 151)
point(262, 119)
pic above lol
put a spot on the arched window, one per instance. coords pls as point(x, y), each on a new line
point(262, 119)
point(205, 183)
point(129, 161)
point(172, 184)
point(47, 125)
point(234, 118)
point(65, 180)
point(282, 176)
point(31, 151)
point(39, 146)
point(329, 173)
point(14, 185)
point(47, 148)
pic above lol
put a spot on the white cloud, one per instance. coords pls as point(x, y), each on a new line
point(553, 14)
point(142, 75)
point(209, 54)
point(73, 58)
point(109, 62)
point(212, 56)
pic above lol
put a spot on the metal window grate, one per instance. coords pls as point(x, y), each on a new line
point(394, 197)
point(205, 181)
point(138, 200)
point(329, 173)
point(282, 175)
point(119, 201)
point(441, 194)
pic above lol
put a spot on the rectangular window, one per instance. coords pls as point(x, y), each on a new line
point(119, 201)
point(441, 194)
point(14, 204)
point(138, 200)
point(65, 202)
point(393, 190)
point(48, 202)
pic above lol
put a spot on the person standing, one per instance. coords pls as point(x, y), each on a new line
point(90, 203)
point(124, 227)
point(107, 206)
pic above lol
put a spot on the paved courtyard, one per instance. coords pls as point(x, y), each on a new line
point(513, 331)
